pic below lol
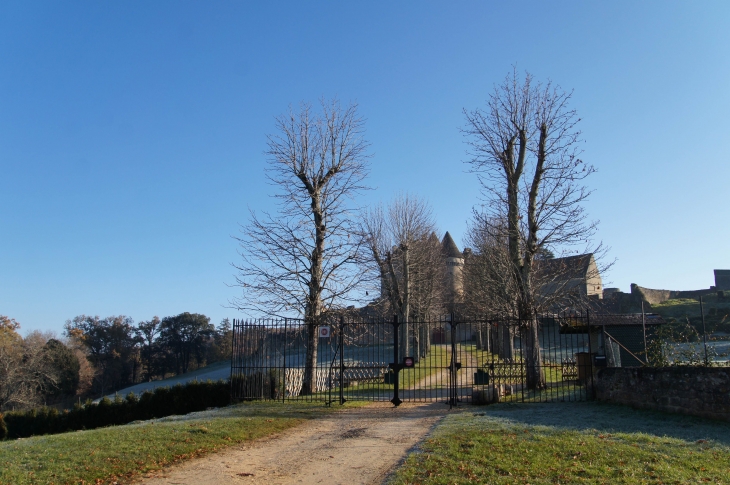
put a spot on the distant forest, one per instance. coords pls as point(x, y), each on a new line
point(97, 356)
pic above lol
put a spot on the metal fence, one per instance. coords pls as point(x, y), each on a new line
point(648, 340)
point(680, 344)
point(451, 359)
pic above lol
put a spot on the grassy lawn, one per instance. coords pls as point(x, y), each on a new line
point(120, 453)
point(567, 443)
point(436, 360)
point(556, 392)
point(680, 307)
point(559, 389)
point(717, 312)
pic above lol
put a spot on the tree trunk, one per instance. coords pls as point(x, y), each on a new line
point(487, 340)
point(421, 347)
point(530, 335)
point(425, 336)
point(310, 362)
point(404, 343)
point(530, 325)
point(313, 309)
point(533, 357)
point(417, 331)
point(506, 342)
point(480, 337)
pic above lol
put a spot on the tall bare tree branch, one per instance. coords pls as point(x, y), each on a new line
point(302, 259)
point(524, 147)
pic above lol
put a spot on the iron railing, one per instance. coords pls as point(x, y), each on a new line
point(451, 359)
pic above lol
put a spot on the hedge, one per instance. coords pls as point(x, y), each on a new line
point(164, 401)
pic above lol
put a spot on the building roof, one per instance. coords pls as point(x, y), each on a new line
point(568, 267)
point(449, 248)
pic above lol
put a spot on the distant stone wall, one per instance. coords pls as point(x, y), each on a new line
point(651, 296)
point(722, 279)
point(654, 297)
point(699, 391)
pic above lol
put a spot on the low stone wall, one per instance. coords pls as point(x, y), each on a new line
point(699, 391)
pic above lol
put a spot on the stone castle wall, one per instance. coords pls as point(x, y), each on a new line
point(722, 279)
point(699, 391)
point(654, 297)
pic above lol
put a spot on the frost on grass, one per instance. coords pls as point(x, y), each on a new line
point(598, 418)
point(592, 443)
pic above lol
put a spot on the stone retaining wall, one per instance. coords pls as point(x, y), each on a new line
point(699, 391)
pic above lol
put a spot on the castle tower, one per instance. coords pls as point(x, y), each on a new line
point(454, 267)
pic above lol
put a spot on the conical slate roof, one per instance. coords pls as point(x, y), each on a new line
point(448, 246)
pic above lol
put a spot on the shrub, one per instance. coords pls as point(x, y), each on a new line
point(164, 401)
point(3, 428)
point(259, 385)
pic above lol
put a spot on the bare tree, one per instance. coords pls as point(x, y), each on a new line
point(524, 148)
point(489, 284)
point(26, 374)
point(407, 261)
point(302, 260)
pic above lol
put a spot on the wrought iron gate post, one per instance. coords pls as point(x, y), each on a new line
point(342, 363)
point(395, 365)
point(590, 356)
point(283, 391)
point(453, 366)
point(233, 354)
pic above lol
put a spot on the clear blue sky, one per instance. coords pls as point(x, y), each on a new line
point(132, 133)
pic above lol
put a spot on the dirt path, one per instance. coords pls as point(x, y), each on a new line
point(355, 446)
point(436, 385)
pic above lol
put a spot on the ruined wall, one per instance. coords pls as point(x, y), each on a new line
point(654, 297)
point(722, 279)
point(651, 296)
point(699, 391)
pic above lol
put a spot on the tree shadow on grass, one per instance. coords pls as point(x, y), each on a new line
point(610, 418)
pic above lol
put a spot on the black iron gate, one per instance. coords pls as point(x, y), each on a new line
point(449, 359)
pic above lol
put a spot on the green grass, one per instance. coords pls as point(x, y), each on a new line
point(717, 312)
point(120, 453)
point(436, 361)
point(558, 388)
point(586, 443)
point(556, 392)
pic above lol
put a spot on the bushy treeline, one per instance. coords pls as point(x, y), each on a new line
point(123, 353)
point(101, 355)
point(163, 401)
